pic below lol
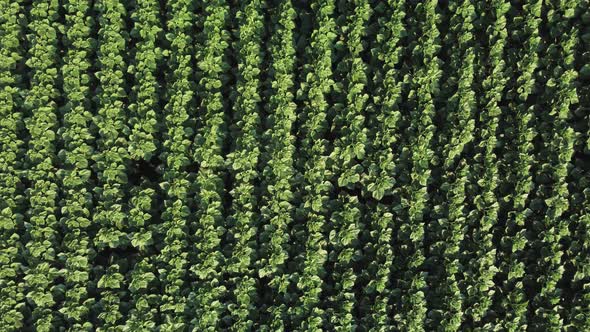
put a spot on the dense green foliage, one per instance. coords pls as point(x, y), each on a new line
point(283, 165)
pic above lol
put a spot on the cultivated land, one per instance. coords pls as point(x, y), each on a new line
point(286, 165)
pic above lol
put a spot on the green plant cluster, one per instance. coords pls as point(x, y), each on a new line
point(283, 165)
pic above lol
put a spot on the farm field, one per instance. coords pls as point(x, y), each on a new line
point(291, 165)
